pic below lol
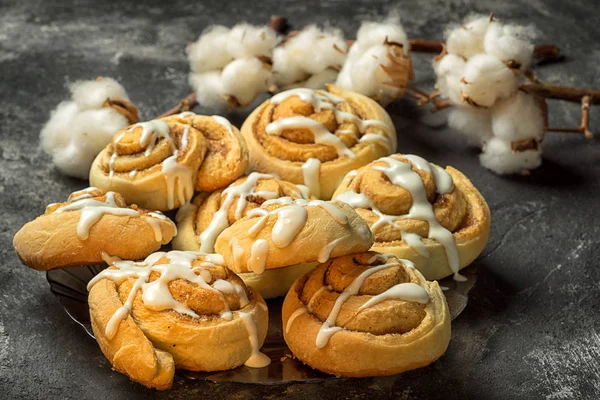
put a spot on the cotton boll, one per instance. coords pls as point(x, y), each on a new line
point(475, 124)
point(343, 79)
point(449, 71)
point(94, 129)
point(57, 131)
point(310, 52)
point(376, 33)
point(70, 160)
point(510, 42)
point(246, 40)
point(486, 79)
point(319, 80)
point(245, 79)
point(499, 157)
point(210, 50)
point(467, 40)
point(209, 89)
point(366, 73)
point(93, 94)
point(518, 117)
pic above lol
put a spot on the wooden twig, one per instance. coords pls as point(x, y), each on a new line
point(560, 92)
point(584, 128)
point(187, 104)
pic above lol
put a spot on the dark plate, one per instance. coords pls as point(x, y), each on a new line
point(69, 285)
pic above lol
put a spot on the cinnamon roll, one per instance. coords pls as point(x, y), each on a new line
point(285, 232)
point(200, 223)
point(90, 223)
point(314, 137)
point(419, 211)
point(176, 310)
point(226, 157)
point(366, 314)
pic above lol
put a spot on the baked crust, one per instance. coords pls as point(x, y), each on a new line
point(387, 338)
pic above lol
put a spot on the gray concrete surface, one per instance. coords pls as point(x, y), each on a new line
point(531, 329)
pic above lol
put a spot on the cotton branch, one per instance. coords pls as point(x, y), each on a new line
point(186, 104)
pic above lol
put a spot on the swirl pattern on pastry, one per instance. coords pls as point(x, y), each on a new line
point(226, 157)
point(153, 164)
point(91, 222)
point(284, 231)
point(185, 307)
point(314, 137)
point(208, 214)
point(433, 216)
point(366, 314)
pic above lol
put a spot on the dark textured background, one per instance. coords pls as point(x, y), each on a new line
point(531, 329)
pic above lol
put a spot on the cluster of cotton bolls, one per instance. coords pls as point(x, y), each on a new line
point(80, 128)
point(378, 63)
point(230, 67)
point(480, 75)
point(309, 58)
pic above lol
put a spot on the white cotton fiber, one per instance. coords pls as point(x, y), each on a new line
point(449, 71)
point(499, 157)
point(518, 117)
point(467, 40)
point(310, 52)
point(79, 129)
point(319, 80)
point(486, 79)
point(244, 79)
point(93, 94)
point(372, 34)
point(246, 40)
point(209, 89)
point(510, 42)
point(209, 52)
point(474, 123)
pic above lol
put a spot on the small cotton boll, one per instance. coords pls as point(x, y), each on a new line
point(366, 74)
point(57, 131)
point(210, 50)
point(286, 69)
point(486, 79)
point(93, 94)
point(510, 42)
point(467, 40)
point(474, 123)
point(246, 40)
point(449, 71)
point(245, 79)
point(518, 117)
point(72, 161)
point(343, 79)
point(319, 80)
point(499, 157)
point(209, 89)
point(376, 33)
point(94, 129)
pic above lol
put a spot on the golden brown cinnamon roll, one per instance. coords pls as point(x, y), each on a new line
point(91, 222)
point(285, 232)
point(176, 310)
point(226, 157)
point(432, 216)
point(366, 314)
point(314, 137)
point(200, 223)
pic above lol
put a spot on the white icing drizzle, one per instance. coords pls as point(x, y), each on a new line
point(401, 174)
point(257, 359)
point(304, 191)
point(224, 122)
point(133, 173)
point(320, 131)
point(178, 178)
point(187, 114)
point(220, 220)
point(156, 294)
point(402, 291)
point(258, 256)
point(290, 220)
point(325, 252)
point(152, 131)
point(292, 318)
point(321, 100)
point(113, 156)
point(311, 171)
point(92, 210)
point(156, 228)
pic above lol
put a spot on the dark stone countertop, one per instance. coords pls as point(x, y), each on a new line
point(531, 329)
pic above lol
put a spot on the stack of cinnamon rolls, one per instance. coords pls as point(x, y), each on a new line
point(309, 200)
